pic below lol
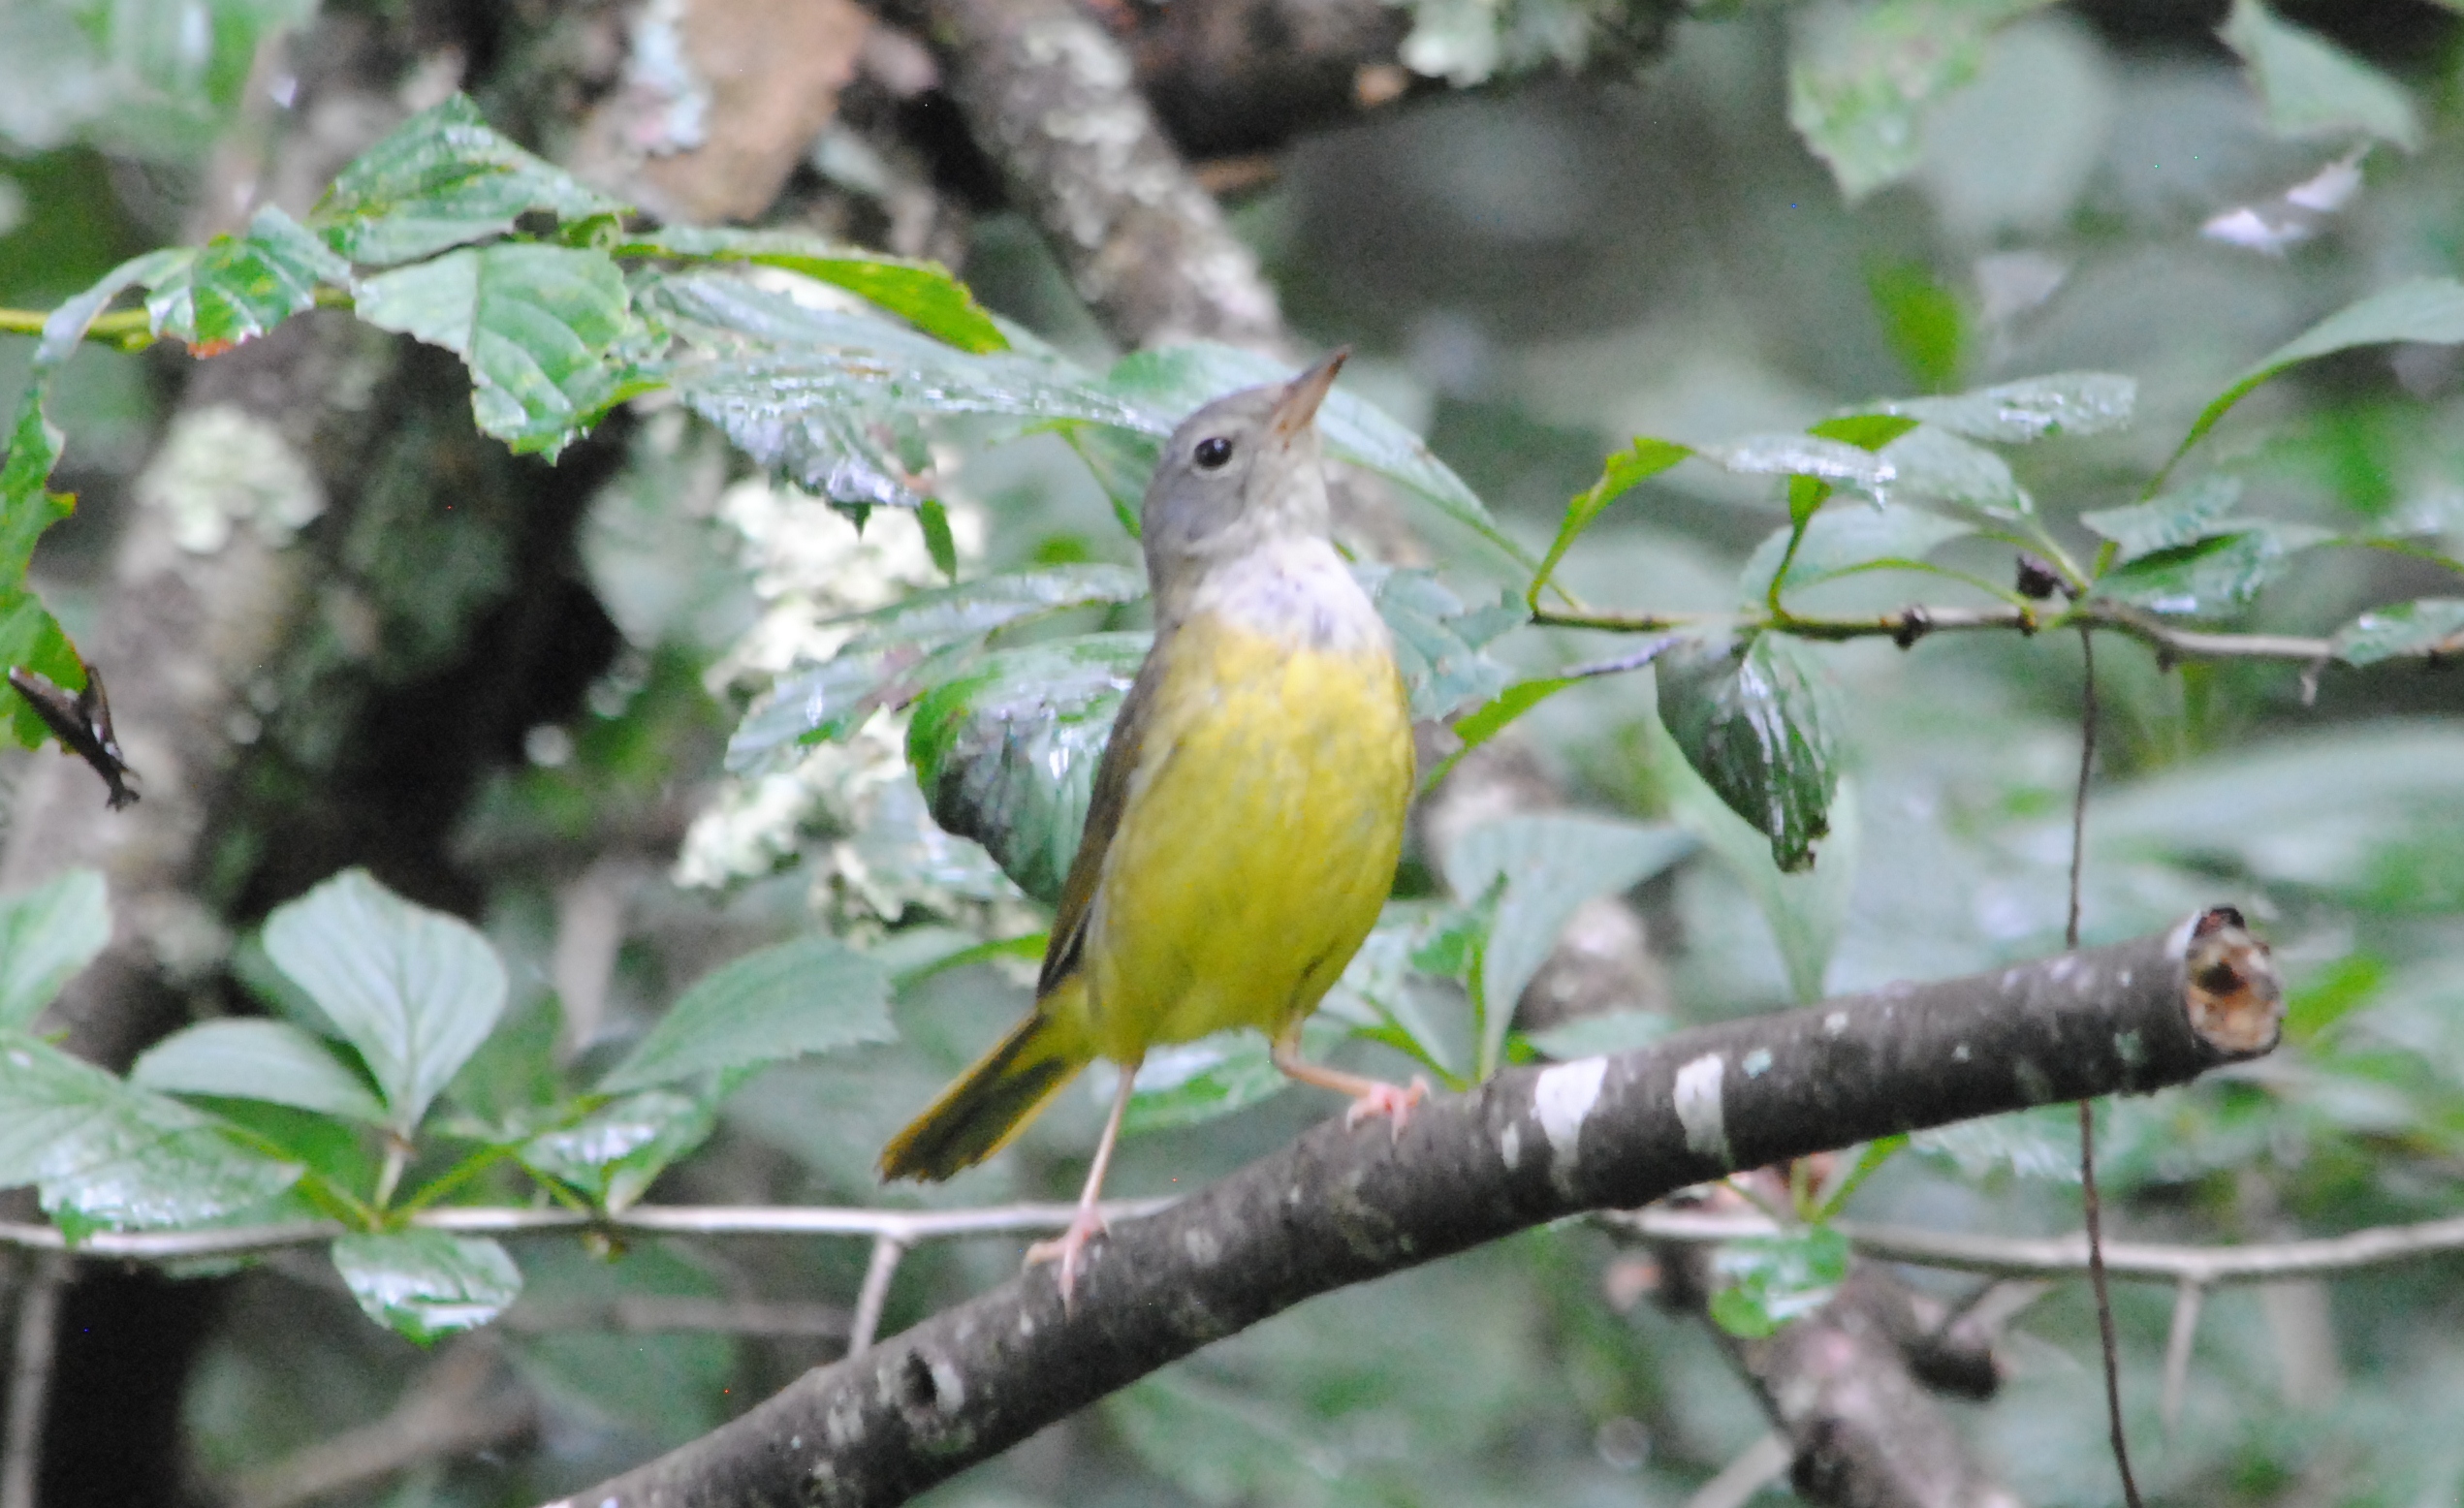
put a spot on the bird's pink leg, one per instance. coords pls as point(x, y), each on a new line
point(1372, 1098)
point(1088, 1222)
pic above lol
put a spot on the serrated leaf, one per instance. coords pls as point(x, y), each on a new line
point(1937, 466)
point(2015, 413)
point(538, 326)
point(443, 178)
point(47, 934)
point(1549, 865)
point(415, 990)
point(2210, 578)
point(1623, 472)
point(106, 1156)
point(1754, 723)
point(2431, 625)
point(256, 1060)
point(924, 293)
point(1006, 751)
point(1858, 90)
point(425, 1284)
point(1169, 382)
point(616, 1152)
point(1839, 541)
point(1595, 1036)
point(236, 288)
point(816, 392)
point(2313, 87)
point(2180, 517)
point(2429, 310)
point(812, 995)
point(1802, 455)
point(1440, 644)
point(1766, 1281)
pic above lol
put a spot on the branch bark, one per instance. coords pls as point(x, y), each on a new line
point(1341, 1205)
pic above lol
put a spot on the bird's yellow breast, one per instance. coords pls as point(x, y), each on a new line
point(1259, 839)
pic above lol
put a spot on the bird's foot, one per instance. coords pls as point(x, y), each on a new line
point(1067, 1247)
point(1392, 1101)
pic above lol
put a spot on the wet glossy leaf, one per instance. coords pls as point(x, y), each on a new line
point(819, 703)
point(2180, 517)
point(47, 934)
point(936, 619)
point(2431, 624)
point(2210, 578)
point(1549, 867)
point(1753, 721)
point(1937, 466)
point(253, 1059)
point(1440, 642)
point(2014, 413)
point(2313, 87)
point(1380, 997)
point(1839, 541)
point(1170, 382)
point(415, 990)
point(236, 288)
point(1802, 455)
point(924, 293)
point(1190, 1082)
point(1006, 751)
point(443, 178)
point(107, 1156)
point(427, 1284)
point(538, 326)
point(1593, 1036)
point(614, 1153)
point(1767, 1281)
point(1858, 90)
point(1624, 471)
point(2425, 310)
point(813, 994)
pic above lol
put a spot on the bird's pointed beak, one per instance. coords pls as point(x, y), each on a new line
point(1299, 403)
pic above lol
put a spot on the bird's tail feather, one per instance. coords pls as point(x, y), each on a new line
point(990, 1104)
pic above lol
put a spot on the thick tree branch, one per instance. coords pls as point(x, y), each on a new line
point(1341, 1205)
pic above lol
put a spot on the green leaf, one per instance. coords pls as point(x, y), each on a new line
point(2211, 578)
point(936, 619)
point(2313, 87)
point(2030, 1143)
point(47, 934)
point(1767, 1281)
point(1866, 431)
point(1006, 751)
point(538, 325)
point(105, 1155)
point(443, 178)
point(816, 392)
point(1752, 720)
point(1190, 1082)
point(1921, 319)
point(1549, 867)
point(427, 1284)
point(256, 1060)
point(1624, 471)
point(1170, 382)
point(1858, 90)
point(938, 541)
point(1802, 455)
point(2431, 625)
point(2425, 310)
point(619, 1150)
point(1840, 541)
point(236, 288)
point(2015, 413)
point(924, 293)
point(1937, 466)
point(1440, 644)
point(820, 704)
point(1594, 1036)
point(812, 995)
point(415, 990)
point(2180, 517)
point(1495, 716)
point(1376, 996)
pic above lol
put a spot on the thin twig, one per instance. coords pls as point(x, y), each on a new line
point(874, 1296)
point(2189, 1298)
point(30, 1381)
point(2088, 1199)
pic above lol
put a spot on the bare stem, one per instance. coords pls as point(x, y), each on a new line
point(30, 1381)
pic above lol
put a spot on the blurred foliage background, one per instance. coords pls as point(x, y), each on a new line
point(1576, 228)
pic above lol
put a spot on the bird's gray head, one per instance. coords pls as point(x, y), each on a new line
point(1241, 472)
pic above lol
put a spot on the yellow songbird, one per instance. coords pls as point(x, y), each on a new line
point(1248, 814)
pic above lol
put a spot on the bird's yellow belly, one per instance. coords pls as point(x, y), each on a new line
point(1257, 844)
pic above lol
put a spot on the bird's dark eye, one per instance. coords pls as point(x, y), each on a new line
point(1212, 453)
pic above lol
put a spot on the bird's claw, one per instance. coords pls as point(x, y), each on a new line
point(1392, 1101)
point(1067, 1248)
